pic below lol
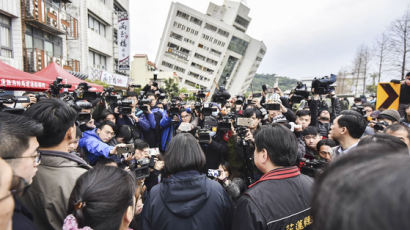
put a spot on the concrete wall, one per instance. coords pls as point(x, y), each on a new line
point(10, 8)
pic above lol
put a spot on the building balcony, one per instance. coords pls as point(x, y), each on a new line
point(37, 59)
point(50, 17)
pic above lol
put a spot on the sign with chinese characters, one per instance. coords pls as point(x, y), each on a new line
point(114, 79)
point(123, 41)
point(22, 84)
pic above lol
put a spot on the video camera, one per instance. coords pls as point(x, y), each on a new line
point(323, 85)
point(299, 93)
point(124, 107)
point(221, 96)
point(312, 167)
point(56, 86)
point(9, 99)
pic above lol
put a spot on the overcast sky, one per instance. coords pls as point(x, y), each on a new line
point(304, 38)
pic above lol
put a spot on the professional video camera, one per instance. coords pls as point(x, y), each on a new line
point(174, 108)
point(240, 100)
point(9, 99)
point(124, 107)
point(56, 86)
point(221, 96)
point(207, 109)
point(143, 104)
point(82, 92)
point(323, 85)
point(312, 167)
point(299, 93)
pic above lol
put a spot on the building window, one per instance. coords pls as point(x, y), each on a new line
point(179, 26)
point(226, 73)
point(96, 25)
point(223, 33)
point(197, 55)
point(242, 21)
point(103, 1)
point(179, 69)
point(238, 45)
point(211, 61)
point(5, 37)
point(182, 15)
point(196, 21)
point(215, 52)
point(37, 39)
point(210, 27)
point(97, 60)
point(176, 36)
point(115, 37)
point(262, 51)
point(167, 64)
point(192, 31)
point(187, 40)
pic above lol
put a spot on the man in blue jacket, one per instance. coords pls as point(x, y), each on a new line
point(94, 142)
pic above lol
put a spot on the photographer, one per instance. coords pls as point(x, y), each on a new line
point(233, 186)
point(135, 119)
point(94, 142)
point(188, 122)
point(154, 116)
point(383, 120)
point(169, 124)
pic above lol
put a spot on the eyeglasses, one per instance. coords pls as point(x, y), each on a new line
point(37, 158)
point(18, 186)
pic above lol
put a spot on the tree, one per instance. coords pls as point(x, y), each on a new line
point(381, 49)
point(400, 42)
point(361, 66)
point(171, 88)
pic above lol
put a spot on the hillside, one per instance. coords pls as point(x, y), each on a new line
point(284, 83)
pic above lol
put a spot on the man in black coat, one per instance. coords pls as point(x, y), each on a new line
point(280, 199)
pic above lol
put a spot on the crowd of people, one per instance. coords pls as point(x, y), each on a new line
point(142, 159)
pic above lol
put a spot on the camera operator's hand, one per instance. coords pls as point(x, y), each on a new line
point(249, 136)
point(132, 115)
point(114, 150)
point(279, 91)
point(298, 128)
point(159, 165)
point(283, 109)
point(148, 109)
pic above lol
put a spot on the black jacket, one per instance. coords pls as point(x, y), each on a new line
point(280, 199)
point(187, 200)
point(22, 218)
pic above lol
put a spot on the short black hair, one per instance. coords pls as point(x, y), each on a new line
point(184, 153)
point(354, 122)
point(310, 130)
point(368, 105)
point(106, 193)
point(103, 161)
point(56, 116)
point(381, 138)
point(125, 132)
point(328, 142)
point(279, 142)
point(104, 123)
point(301, 113)
point(15, 131)
point(250, 111)
point(140, 144)
point(397, 127)
point(357, 189)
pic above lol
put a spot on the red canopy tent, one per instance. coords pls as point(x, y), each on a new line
point(53, 70)
point(14, 79)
